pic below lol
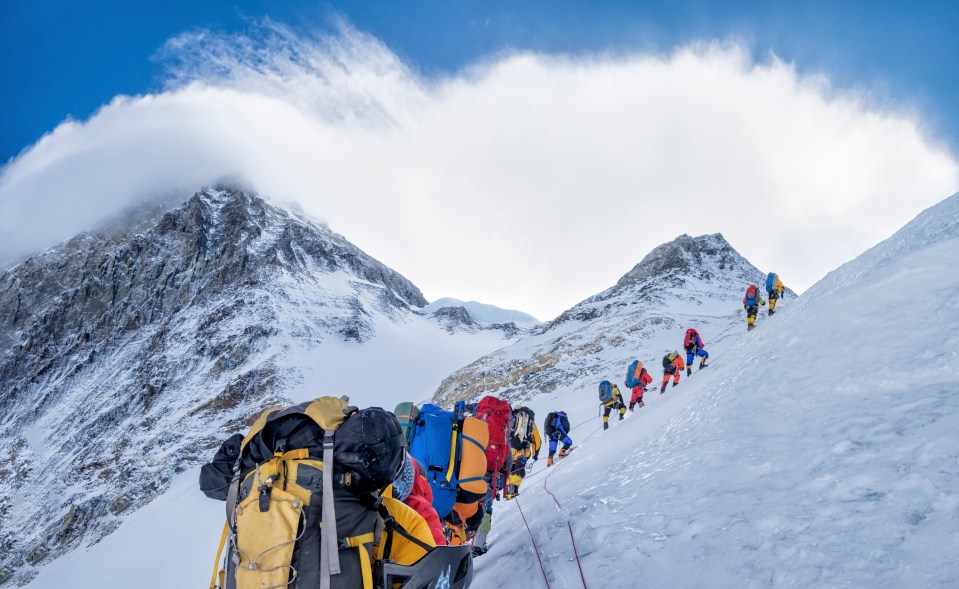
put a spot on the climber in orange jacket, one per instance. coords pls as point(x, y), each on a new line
point(673, 365)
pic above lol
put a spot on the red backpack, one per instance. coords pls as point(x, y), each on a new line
point(496, 413)
point(690, 335)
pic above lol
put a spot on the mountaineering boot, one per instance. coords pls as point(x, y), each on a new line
point(549, 462)
point(771, 312)
point(605, 427)
point(750, 327)
point(675, 383)
point(689, 370)
point(479, 550)
point(563, 452)
point(641, 404)
point(621, 414)
point(703, 365)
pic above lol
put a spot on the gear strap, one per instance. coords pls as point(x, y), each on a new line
point(366, 566)
point(217, 571)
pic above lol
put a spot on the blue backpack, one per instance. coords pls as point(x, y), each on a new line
point(752, 300)
point(605, 391)
point(630, 375)
point(432, 442)
point(770, 282)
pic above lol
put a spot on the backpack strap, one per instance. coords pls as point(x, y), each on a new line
point(217, 571)
point(455, 454)
point(366, 566)
point(329, 549)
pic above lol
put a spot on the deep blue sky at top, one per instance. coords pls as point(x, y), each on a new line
point(62, 58)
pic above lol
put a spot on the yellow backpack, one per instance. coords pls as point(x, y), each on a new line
point(303, 505)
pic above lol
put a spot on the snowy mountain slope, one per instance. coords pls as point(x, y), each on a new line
point(817, 451)
point(195, 513)
point(483, 313)
point(127, 355)
point(689, 282)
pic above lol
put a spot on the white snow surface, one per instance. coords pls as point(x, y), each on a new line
point(816, 451)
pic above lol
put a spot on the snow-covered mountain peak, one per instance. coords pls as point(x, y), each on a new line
point(134, 348)
point(702, 256)
point(687, 269)
point(690, 281)
point(484, 313)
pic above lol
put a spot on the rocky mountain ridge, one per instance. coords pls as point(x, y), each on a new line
point(690, 281)
point(127, 353)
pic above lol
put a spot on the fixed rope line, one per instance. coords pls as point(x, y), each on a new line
point(535, 548)
point(569, 526)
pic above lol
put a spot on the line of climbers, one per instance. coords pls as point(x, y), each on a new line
point(753, 299)
point(638, 378)
point(325, 495)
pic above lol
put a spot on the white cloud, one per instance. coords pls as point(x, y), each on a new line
point(529, 181)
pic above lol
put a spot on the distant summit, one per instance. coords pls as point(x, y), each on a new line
point(690, 279)
point(483, 313)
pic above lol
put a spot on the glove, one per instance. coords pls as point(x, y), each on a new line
point(745, 307)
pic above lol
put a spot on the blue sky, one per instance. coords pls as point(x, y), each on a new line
point(501, 143)
point(65, 58)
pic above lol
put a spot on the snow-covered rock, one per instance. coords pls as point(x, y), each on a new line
point(688, 282)
point(483, 313)
point(128, 353)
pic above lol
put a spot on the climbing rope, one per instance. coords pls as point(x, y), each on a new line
point(535, 547)
point(569, 525)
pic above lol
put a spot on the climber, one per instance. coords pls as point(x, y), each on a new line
point(525, 443)
point(751, 303)
point(615, 401)
point(774, 290)
point(280, 463)
point(412, 488)
point(557, 430)
point(637, 378)
point(672, 366)
point(694, 347)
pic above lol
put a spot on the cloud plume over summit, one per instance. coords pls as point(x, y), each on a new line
point(529, 181)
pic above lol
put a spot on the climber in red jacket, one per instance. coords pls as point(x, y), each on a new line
point(412, 488)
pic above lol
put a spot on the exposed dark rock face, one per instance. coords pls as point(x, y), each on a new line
point(125, 355)
point(455, 318)
point(689, 276)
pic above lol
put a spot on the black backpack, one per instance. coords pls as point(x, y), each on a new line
point(278, 490)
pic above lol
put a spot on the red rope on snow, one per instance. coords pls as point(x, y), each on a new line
point(568, 524)
point(535, 548)
point(576, 552)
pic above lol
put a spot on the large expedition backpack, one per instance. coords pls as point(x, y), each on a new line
point(497, 415)
point(633, 374)
point(605, 392)
point(522, 427)
point(317, 462)
point(690, 340)
point(771, 280)
point(751, 296)
point(453, 450)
